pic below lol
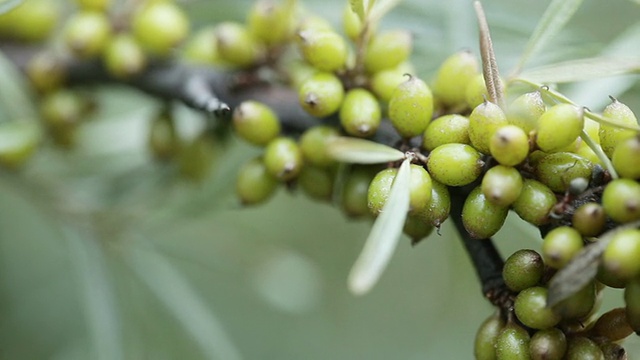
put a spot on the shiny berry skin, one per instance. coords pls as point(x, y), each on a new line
point(160, 26)
point(512, 343)
point(535, 202)
point(523, 269)
point(484, 121)
point(548, 344)
point(254, 185)
point(622, 254)
point(385, 82)
point(579, 305)
point(621, 200)
point(416, 229)
point(453, 76)
point(557, 170)
point(626, 158)
point(379, 190)
point(324, 49)
point(123, 57)
point(531, 309)
point(481, 218)
point(411, 107)
point(236, 46)
point(445, 130)
point(355, 190)
point(558, 127)
point(86, 33)
point(476, 91)
point(509, 145)
point(582, 348)
point(613, 325)
point(454, 164)
point(419, 188)
point(525, 110)
point(501, 185)
point(314, 143)
point(283, 158)
point(321, 94)
point(255, 122)
point(560, 245)
point(387, 50)
point(484, 346)
point(437, 210)
point(589, 219)
point(360, 113)
point(610, 135)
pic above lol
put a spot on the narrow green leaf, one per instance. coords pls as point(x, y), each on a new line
point(384, 235)
point(558, 13)
point(583, 69)
point(360, 151)
point(8, 5)
point(174, 291)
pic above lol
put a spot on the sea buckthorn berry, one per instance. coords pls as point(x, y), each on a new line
point(123, 57)
point(548, 344)
point(160, 26)
point(481, 218)
point(610, 135)
point(62, 107)
point(419, 188)
point(163, 139)
point(531, 309)
point(626, 158)
point(236, 45)
point(453, 76)
point(197, 157)
point(582, 348)
point(86, 33)
point(351, 23)
point(20, 140)
point(557, 170)
point(560, 245)
point(484, 345)
point(484, 121)
point(360, 113)
point(632, 302)
point(612, 350)
point(313, 22)
point(446, 129)
point(325, 50)
point(622, 254)
point(416, 229)
point(589, 219)
point(387, 50)
point(355, 190)
point(455, 164)
point(509, 145)
point(385, 82)
point(613, 325)
point(476, 91)
point(271, 21)
point(523, 269)
point(579, 305)
point(96, 5)
point(255, 122)
point(31, 21)
point(501, 185)
point(202, 48)
point(283, 158)
point(535, 202)
point(254, 184)
point(559, 126)
point(317, 182)
point(46, 71)
point(411, 107)
point(379, 190)
point(525, 110)
point(512, 343)
point(313, 144)
point(606, 277)
point(437, 210)
point(321, 94)
point(621, 200)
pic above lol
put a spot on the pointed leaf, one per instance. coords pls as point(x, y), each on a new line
point(360, 151)
point(583, 69)
point(8, 5)
point(384, 235)
point(558, 13)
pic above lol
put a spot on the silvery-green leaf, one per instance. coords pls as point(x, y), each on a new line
point(583, 69)
point(360, 151)
point(384, 235)
point(8, 5)
point(558, 13)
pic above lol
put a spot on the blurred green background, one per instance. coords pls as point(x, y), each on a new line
point(104, 255)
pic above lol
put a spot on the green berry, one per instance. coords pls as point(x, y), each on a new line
point(476, 91)
point(632, 302)
point(579, 305)
point(379, 190)
point(512, 343)
point(455, 164)
point(385, 82)
point(30, 21)
point(523, 269)
point(163, 139)
point(548, 344)
point(557, 170)
point(480, 217)
point(20, 141)
point(387, 50)
point(437, 210)
point(419, 188)
point(535, 202)
point(501, 185)
point(314, 143)
point(123, 57)
point(196, 159)
point(324, 49)
point(622, 254)
point(254, 184)
point(351, 23)
point(360, 113)
point(621, 200)
point(446, 129)
point(531, 309)
point(95, 5)
point(484, 346)
point(484, 121)
point(416, 229)
point(86, 33)
point(46, 71)
point(560, 245)
point(509, 145)
point(610, 136)
point(283, 158)
point(271, 21)
point(582, 348)
point(626, 158)
point(321, 94)
point(202, 48)
point(559, 126)
point(613, 325)
point(355, 190)
point(317, 182)
point(62, 107)
point(160, 26)
point(589, 219)
point(453, 77)
point(525, 110)
point(236, 45)
point(255, 122)
point(411, 107)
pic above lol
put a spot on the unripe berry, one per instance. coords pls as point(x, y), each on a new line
point(535, 202)
point(484, 121)
point(163, 140)
point(411, 107)
point(351, 23)
point(160, 26)
point(30, 21)
point(525, 110)
point(196, 158)
point(314, 143)
point(626, 158)
point(476, 91)
point(283, 158)
point(451, 81)
point(254, 184)
point(385, 82)
point(46, 71)
point(437, 210)
point(321, 94)
point(271, 21)
point(560, 245)
point(611, 136)
point(512, 343)
point(632, 302)
point(387, 50)
point(325, 50)
point(558, 127)
point(589, 219)
point(607, 278)
point(622, 254)
point(446, 129)
point(557, 170)
point(236, 45)
point(613, 325)
point(123, 57)
point(255, 122)
point(20, 140)
point(579, 305)
point(62, 107)
point(522, 270)
point(501, 185)
point(582, 348)
point(484, 346)
point(95, 5)
point(379, 190)
point(531, 309)
point(419, 188)
point(548, 344)
point(355, 189)
point(416, 229)
point(201, 47)
point(481, 218)
point(509, 145)
point(455, 164)
point(360, 113)
point(621, 200)
point(86, 33)
point(317, 182)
